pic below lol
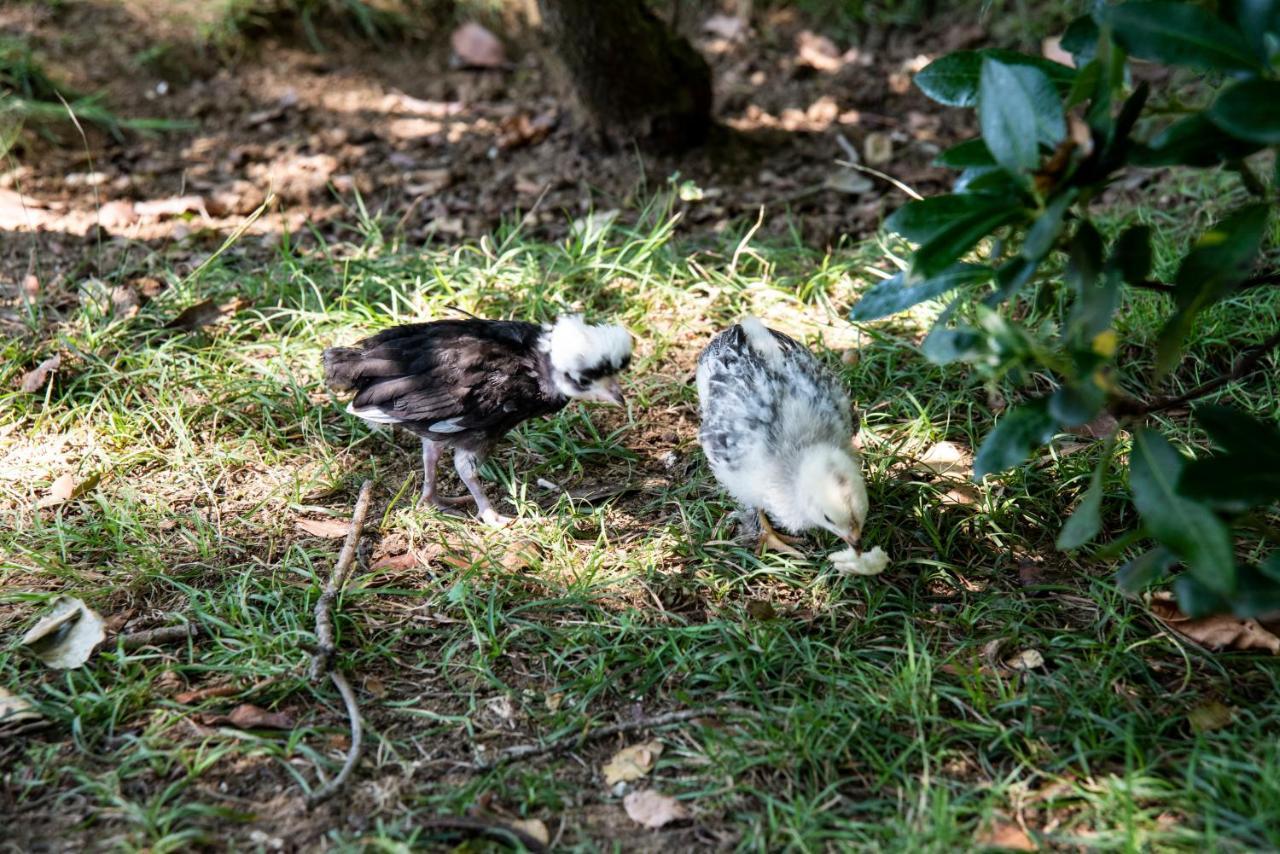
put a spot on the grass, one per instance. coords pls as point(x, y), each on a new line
point(859, 713)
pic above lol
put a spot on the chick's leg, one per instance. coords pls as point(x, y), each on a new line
point(468, 465)
point(431, 453)
point(771, 539)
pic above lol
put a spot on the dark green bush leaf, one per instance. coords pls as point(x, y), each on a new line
point(954, 79)
point(1073, 404)
point(1131, 256)
point(1249, 110)
point(1189, 530)
point(1239, 432)
point(1145, 569)
point(971, 152)
point(947, 246)
point(1257, 19)
point(1081, 39)
point(1192, 141)
point(921, 221)
point(1010, 277)
point(1018, 109)
point(1017, 433)
point(1085, 523)
point(942, 345)
point(1179, 34)
point(1232, 481)
point(900, 292)
point(1043, 234)
point(1220, 259)
point(1097, 287)
point(1257, 593)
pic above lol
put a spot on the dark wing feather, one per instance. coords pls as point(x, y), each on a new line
point(478, 375)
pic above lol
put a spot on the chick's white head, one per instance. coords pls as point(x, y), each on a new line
point(830, 492)
point(587, 358)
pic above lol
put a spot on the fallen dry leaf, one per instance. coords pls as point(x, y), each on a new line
point(1210, 716)
point(817, 52)
point(203, 313)
point(1221, 631)
point(1005, 835)
point(554, 701)
point(399, 562)
point(1028, 659)
point(946, 459)
point(199, 695)
point(15, 709)
point(375, 686)
point(653, 809)
point(476, 47)
point(173, 206)
point(249, 716)
point(35, 379)
point(531, 827)
point(632, 763)
point(66, 636)
point(329, 529)
point(877, 148)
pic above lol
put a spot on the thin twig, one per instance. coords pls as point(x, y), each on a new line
point(470, 826)
point(1250, 361)
point(165, 634)
point(322, 661)
point(323, 657)
point(883, 177)
point(357, 741)
point(524, 751)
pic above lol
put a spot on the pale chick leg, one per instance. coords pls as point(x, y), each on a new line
point(468, 465)
point(851, 562)
point(772, 540)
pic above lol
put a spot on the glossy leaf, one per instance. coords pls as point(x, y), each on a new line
point(1015, 435)
point(1044, 232)
point(971, 152)
point(1018, 109)
point(1131, 255)
point(944, 345)
point(1179, 34)
point(1096, 286)
point(1238, 431)
point(1192, 141)
point(1145, 569)
point(1257, 19)
point(948, 245)
point(1249, 110)
point(1080, 39)
point(1073, 404)
point(1010, 277)
point(922, 220)
point(1232, 481)
point(1189, 530)
point(1085, 523)
point(1220, 259)
point(900, 292)
point(954, 79)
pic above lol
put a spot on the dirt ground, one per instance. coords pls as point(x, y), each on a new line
point(443, 153)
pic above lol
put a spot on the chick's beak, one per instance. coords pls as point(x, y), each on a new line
point(852, 538)
point(613, 391)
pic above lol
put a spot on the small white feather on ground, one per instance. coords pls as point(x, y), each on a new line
point(852, 562)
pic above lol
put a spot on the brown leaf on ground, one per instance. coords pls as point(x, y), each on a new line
point(329, 529)
point(632, 763)
point(203, 313)
point(397, 563)
point(476, 47)
point(520, 129)
point(1004, 836)
point(173, 206)
point(532, 827)
point(1221, 631)
point(66, 488)
point(66, 636)
point(818, 52)
point(199, 695)
point(654, 809)
point(946, 459)
point(14, 708)
point(34, 380)
point(249, 716)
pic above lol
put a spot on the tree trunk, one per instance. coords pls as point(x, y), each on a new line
point(635, 79)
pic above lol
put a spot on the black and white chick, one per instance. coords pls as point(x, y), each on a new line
point(777, 430)
point(464, 384)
